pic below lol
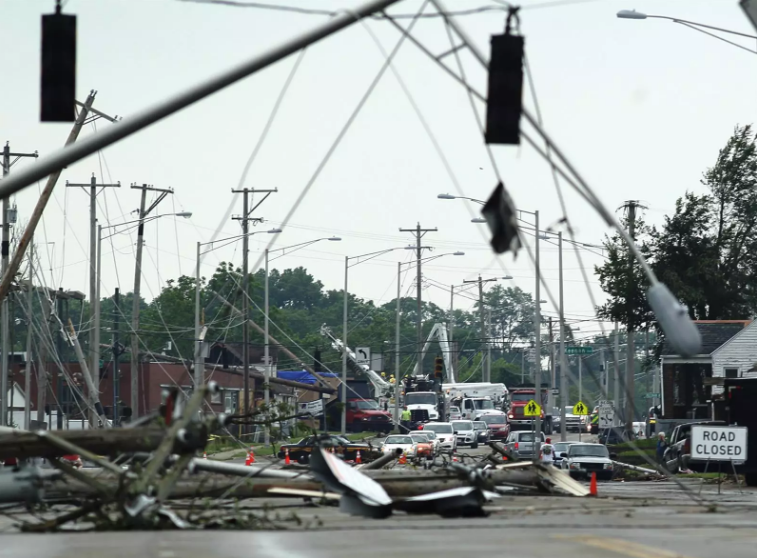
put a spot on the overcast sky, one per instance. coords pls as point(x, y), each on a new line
point(640, 108)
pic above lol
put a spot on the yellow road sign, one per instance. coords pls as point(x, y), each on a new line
point(532, 409)
point(580, 409)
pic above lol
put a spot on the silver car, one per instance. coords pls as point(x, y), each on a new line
point(465, 433)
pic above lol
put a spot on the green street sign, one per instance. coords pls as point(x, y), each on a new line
point(579, 350)
point(652, 395)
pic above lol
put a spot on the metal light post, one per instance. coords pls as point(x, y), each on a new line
point(397, 375)
point(632, 14)
point(140, 223)
point(266, 354)
point(343, 391)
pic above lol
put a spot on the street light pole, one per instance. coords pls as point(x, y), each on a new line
point(563, 361)
point(397, 377)
point(344, 351)
point(199, 371)
point(267, 354)
point(537, 334)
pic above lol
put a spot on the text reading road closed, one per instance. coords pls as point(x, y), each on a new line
point(719, 443)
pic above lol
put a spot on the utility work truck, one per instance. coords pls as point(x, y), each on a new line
point(474, 398)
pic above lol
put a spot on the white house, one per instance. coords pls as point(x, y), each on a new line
point(736, 357)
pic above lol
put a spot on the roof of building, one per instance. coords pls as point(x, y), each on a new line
point(714, 334)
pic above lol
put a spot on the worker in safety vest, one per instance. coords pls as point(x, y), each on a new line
point(405, 419)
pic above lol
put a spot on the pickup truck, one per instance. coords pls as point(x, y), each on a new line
point(364, 415)
point(677, 455)
point(521, 444)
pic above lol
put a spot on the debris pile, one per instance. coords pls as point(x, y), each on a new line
point(156, 475)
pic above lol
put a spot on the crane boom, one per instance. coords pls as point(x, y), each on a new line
point(439, 332)
point(382, 387)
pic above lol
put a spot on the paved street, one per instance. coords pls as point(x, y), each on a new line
point(640, 520)
point(633, 519)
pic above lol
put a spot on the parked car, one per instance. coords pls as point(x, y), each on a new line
point(521, 444)
point(455, 413)
point(403, 442)
point(581, 460)
point(445, 433)
point(482, 431)
point(302, 450)
point(677, 455)
point(466, 435)
point(499, 428)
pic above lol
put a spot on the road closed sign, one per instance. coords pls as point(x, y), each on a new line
point(719, 443)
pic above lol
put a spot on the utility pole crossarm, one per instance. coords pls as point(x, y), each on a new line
point(419, 233)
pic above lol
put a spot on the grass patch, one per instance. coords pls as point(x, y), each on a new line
point(645, 444)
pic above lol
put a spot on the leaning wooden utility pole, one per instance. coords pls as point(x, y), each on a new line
point(29, 338)
point(5, 347)
point(162, 193)
point(94, 314)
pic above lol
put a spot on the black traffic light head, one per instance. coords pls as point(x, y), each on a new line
point(58, 68)
point(438, 367)
point(505, 97)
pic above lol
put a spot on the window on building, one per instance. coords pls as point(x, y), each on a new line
point(215, 398)
point(731, 372)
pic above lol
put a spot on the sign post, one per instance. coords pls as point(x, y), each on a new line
point(719, 443)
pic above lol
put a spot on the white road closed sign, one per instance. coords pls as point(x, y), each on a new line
point(719, 443)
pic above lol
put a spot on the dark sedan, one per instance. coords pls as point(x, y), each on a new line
point(301, 451)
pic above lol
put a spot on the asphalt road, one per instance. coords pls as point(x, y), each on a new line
point(637, 520)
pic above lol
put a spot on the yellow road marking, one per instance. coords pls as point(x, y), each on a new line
point(620, 546)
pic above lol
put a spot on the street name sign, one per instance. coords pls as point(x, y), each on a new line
point(719, 443)
point(579, 350)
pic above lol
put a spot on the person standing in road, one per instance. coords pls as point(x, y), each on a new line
point(405, 420)
point(661, 445)
point(547, 452)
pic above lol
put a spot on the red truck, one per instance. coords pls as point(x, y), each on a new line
point(518, 399)
point(365, 415)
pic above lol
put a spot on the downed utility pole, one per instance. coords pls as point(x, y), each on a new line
point(44, 197)
point(286, 351)
point(93, 392)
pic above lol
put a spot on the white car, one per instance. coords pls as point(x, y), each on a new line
point(405, 443)
point(444, 433)
point(455, 413)
point(466, 435)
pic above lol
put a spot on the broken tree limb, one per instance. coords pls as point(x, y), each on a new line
point(44, 197)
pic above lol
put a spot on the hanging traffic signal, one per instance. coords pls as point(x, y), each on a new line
point(438, 367)
point(58, 67)
point(505, 97)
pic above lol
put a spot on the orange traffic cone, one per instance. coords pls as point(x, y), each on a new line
point(357, 458)
point(403, 459)
point(332, 449)
point(287, 461)
point(204, 455)
point(454, 457)
point(250, 458)
point(593, 485)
